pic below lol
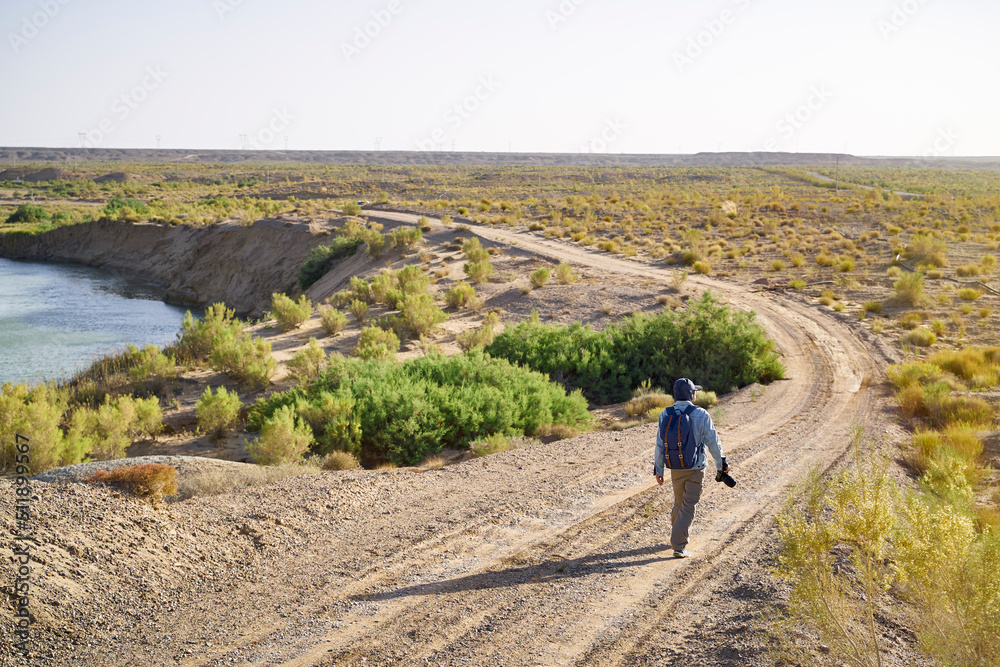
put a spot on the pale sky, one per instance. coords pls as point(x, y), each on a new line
point(869, 77)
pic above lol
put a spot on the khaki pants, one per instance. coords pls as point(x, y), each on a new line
point(687, 492)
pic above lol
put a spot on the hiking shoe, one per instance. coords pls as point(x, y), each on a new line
point(682, 553)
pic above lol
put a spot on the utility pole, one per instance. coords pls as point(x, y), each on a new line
point(243, 141)
point(83, 139)
point(157, 142)
point(378, 143)
point(286, 144)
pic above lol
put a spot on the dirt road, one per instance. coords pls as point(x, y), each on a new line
point(552, 555)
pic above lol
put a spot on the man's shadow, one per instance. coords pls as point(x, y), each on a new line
point(552, 570)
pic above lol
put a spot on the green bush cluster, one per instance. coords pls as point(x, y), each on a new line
point(716, 346)
point(64, 434)
point(29, 213)
point(222, 340)
point(406, 412)
point(322, 258)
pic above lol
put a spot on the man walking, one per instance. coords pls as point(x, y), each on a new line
point(684, 433)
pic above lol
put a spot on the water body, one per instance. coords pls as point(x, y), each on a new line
point(56, 319)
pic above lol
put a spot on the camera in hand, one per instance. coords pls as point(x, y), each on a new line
point(722, 476)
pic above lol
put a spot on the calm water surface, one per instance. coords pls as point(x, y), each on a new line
point(55, 319)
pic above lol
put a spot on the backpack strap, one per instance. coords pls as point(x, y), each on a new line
point(689, 410)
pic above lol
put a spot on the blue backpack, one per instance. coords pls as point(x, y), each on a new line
point(678, 439)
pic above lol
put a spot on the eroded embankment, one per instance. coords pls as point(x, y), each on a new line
point(236, 264)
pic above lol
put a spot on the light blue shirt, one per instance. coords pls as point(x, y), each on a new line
point(704, 434)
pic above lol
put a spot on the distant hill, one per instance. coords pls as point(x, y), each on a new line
point(15, 156)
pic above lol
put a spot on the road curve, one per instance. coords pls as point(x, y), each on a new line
point(552, 555)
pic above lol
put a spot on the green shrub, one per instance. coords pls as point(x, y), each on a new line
point(322, 258)
point(873, 307)
point(920, 337)
point(290, 314)
point(980, 367)
point(481, 336)
point(218, 412)
point(412, 280)
point(380, 286)
point(148, 480)
point(707, 341)
point(362, 290)
point(375, 242)
point(404, 236)
point(331, 416)
point(702, 267)
point(351, 208)
point(645, 399)
point(36, 413)
point(474, 251)
point(151, 369)
point(283, 439)
point(359, 309)
point(540, 277)
point(108, 431)
point(306, 364)
point(413, 410)
point(421, 314)
point(246, 359)
point(565, 275)
point(478, 272)
point(705, 399)
point(198, 338)
point(460, 294)
point(29, 213)
point(340, 461)
point(969, 294)
point(120, 207)
point(909, 289)
point(925, 250)
point(332, 320)
point(913, 373)
point(376, 344)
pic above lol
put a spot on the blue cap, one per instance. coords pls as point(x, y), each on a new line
point(684, 390)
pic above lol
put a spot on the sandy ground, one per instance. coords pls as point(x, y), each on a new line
point(552, 555)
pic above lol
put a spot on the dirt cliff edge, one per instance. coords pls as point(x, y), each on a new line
point(241, 265)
